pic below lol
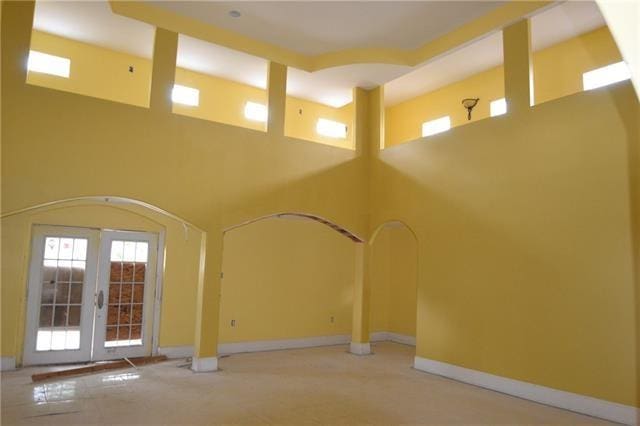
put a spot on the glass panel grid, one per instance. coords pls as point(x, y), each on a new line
point(63, 269)
point(127, 279)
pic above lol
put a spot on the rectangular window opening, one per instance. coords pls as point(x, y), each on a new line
point(331, 129)
point(256, 112)
point(185, 95)
point(48, 64)
point(498, 107)
point(606, 75)
point(438, 125)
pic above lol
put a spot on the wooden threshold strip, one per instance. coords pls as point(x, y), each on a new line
point(112, 365)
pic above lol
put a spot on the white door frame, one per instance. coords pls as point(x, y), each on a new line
point(34, 294)
point(37, 252)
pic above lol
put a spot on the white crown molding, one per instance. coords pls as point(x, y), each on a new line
point(569, 401)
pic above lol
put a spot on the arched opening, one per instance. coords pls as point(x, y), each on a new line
point(172, 249)
point(287, 282)
point(394, 278)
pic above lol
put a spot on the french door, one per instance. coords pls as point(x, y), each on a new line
point(90, 295)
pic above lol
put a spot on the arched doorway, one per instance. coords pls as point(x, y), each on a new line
point(394, 278)
point(287, 282)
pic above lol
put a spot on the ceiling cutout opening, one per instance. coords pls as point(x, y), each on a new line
point(231, 85)
point(86, 49)
point(452, 90)
point(319, 107)
point(573, 50)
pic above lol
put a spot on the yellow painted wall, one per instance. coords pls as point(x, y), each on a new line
point(301, 117)
point(285, 279)
point(557, 72)
point(380, 276)
point(104, 73)
point(180, 274)
point(95, 71)
point(394, 281)
point(220, 100)
point(525, 261)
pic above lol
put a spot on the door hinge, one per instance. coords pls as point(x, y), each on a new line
point(221, 275)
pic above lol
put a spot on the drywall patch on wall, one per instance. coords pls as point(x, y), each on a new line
point(557, 398)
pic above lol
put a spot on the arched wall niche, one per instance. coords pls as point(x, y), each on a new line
point(394, 278)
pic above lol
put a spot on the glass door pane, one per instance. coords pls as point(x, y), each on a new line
point(63, 269)
point(60, 302)
point(127, 272)
point(126, 284)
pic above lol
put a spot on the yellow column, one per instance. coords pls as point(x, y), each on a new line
point(360, 121)
point(208, 303)
point(17, 22)
point(165, 51)
point(376, 119)
point(361, 295)
point(277, 98)
point(518, 66)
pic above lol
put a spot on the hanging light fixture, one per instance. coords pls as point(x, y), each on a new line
point(469, 104)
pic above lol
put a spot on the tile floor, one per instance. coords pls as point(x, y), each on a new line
point(306, 386)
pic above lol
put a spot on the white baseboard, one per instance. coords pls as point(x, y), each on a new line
point(273, 345)
point(569, 401)
point(388, 336)
point(202, 365)
point(176, 351)
point(7, 363)
point(360, 348)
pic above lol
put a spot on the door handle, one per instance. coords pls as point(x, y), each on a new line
point(100, 299)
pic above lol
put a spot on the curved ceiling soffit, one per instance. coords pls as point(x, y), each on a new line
point(478, 28)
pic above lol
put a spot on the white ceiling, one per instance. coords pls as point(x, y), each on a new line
point(93, 22)
point(277, 22)
point(547, 28)
point(315, 27)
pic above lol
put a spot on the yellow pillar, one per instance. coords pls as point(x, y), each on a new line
point(360, 134)
point(17, 22)
point(208, 303)
point(277, 98)
point(518, 66)
point(369, 122)
point(165, 51)
point(376, 120)
point(361, 297)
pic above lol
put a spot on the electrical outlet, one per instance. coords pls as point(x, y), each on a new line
point(233, 323)
point(332, 320)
